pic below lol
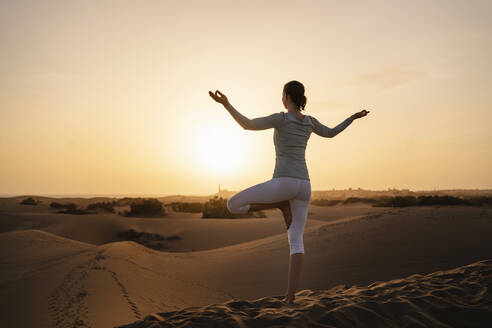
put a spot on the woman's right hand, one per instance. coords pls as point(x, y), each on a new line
point(360, 114)
point(219, 97)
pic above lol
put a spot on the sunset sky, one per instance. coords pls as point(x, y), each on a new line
point(111, 97)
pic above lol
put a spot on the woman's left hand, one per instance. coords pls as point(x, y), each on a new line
point(360, 114)
point(219, 97)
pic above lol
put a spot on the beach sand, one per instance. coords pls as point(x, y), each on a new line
point(61, 270)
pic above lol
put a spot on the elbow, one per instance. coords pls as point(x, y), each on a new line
point(329, 133)
point(243, 124)
point(333, 133)
point(252, 128)
point(247, 126)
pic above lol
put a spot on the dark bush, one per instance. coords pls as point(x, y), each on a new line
point(77, 211)
point(480, 200)
point(382, 201)
point(216, 207)
point(70, 208)
point(326, 202)
point(151, 240)
point(29, 201)
point(399, 201)
point(125, 201)
point(350, 200)
point(150, 207)
point(56, 205)
point(105, 206)
point(124, 213)
point(402, 201)
point(192, 207)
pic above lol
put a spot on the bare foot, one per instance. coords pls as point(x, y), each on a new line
point(285, 208)
point(289, 298)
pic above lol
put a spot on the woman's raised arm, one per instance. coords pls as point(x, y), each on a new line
point(324, 131)
point(327, 132)
point(259, 123)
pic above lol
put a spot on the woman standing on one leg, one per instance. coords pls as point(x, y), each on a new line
point(290, 187)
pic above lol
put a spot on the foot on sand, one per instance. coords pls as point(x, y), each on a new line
point(285, 208)
point(289, 298)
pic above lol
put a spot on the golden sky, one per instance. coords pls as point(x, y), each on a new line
point(111, 97)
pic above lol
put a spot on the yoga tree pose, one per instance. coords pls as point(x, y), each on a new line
point(290, 187)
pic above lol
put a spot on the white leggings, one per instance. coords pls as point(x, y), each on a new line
point(296, 191)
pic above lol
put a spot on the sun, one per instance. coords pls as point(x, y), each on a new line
point(217, 150)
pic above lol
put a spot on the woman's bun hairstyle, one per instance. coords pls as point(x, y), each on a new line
point(295, 90)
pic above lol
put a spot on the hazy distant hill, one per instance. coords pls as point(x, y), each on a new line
point(316, 194)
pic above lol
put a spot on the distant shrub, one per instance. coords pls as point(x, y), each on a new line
point(56, 205)
point(481, 200)
point(151, 240)
point(75, 211)
point(124, 213)
point(350, 200)
point(105, 206)
point(29, 201)
point(191, 207)
point(400, 201)
point(382, 201)
point(125, 201)
point(69, 208)
point(146, 207)
point(216, 207)
point(326, 202)
point(72, 209)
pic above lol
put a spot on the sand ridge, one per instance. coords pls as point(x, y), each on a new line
point(457, 297)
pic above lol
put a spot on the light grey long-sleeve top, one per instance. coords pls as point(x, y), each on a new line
point(290, 138)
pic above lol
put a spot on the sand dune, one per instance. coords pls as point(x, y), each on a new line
point(47, 280)
point(459, 297)
point(195, 233)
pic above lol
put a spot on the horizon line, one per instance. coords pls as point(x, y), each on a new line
point(86, 195)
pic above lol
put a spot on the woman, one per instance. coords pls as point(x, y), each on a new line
point(290, 188)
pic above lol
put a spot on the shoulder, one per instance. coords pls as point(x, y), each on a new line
point(278, 116)
point(312, 119)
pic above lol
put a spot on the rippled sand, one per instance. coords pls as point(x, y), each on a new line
point(460, 297)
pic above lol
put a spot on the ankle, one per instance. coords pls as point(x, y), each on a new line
point(290, 294)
